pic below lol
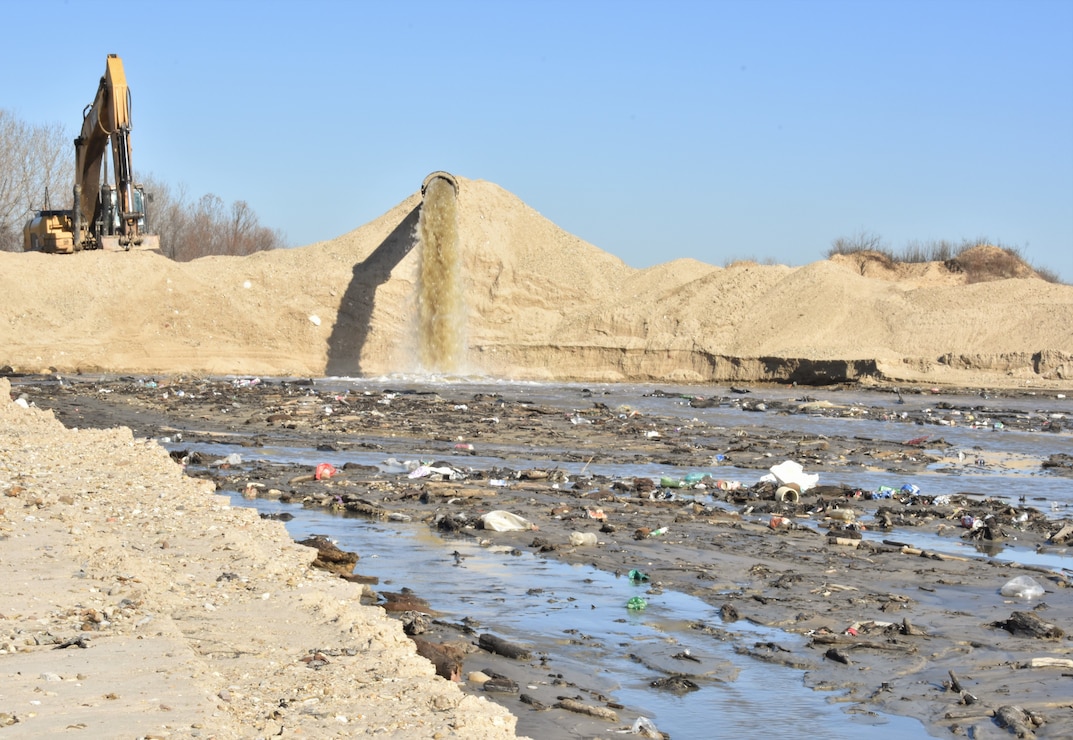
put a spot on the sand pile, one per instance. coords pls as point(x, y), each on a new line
point(540, 303)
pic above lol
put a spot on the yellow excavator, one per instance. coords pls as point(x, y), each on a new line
point(104, 216)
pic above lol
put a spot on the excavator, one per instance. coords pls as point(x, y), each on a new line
point(103, 216)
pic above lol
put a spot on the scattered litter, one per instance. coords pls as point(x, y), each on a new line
point(425, 471)
point(505, 521)
point(842, 515)
point(582, 539)
point(791, 472)
point(233, 459)
point(1022, 587)
point(644, 727)
point(788, 494)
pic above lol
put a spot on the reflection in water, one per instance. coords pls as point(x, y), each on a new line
point(532, 600)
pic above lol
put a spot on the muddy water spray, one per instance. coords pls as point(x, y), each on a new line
point(440, 307)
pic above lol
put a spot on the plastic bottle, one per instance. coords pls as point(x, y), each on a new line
point(636, 603)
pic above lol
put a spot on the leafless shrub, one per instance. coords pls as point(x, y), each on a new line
point(748, 262)
point(982, 263)
point(1047, 274)
point(980, 259)
point(862, 241)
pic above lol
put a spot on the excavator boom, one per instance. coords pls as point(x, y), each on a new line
point(102, 215)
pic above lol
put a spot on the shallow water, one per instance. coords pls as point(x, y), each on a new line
point(494, 588)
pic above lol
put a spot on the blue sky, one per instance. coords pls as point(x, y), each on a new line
point(716, 130)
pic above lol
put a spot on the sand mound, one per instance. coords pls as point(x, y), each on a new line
point(879, 266)
point(541, 304)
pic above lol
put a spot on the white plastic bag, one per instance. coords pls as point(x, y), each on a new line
point(504, 521)
point(644, 727)
point(1022, 587)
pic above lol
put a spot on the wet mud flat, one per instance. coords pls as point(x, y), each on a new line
point(666, 483)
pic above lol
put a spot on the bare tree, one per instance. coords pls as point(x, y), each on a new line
point(37, 172)
point(205, 227)
point(246, 233)
point(36, 166)
point(167, 214)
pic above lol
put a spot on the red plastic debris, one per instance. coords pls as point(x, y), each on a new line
point(324, 471)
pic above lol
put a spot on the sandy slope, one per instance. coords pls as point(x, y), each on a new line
point(540, 304)
point(198, 616)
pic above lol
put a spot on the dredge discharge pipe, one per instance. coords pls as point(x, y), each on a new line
point(439, 175)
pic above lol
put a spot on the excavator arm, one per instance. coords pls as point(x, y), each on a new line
point(107, 120)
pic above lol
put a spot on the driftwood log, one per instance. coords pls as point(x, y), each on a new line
point(855, 643)
point(499, 646)
point(330, 557)
point(447, 658)
point(573, 705)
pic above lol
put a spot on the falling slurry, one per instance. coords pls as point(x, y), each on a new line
point(441, 308)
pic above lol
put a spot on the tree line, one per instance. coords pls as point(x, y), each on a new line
point(37, 173)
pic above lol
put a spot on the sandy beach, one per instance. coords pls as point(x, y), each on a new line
point(137, 603)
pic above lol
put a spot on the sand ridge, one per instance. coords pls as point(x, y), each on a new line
point(540, 304)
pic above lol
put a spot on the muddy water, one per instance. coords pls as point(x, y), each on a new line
point(576, 616)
